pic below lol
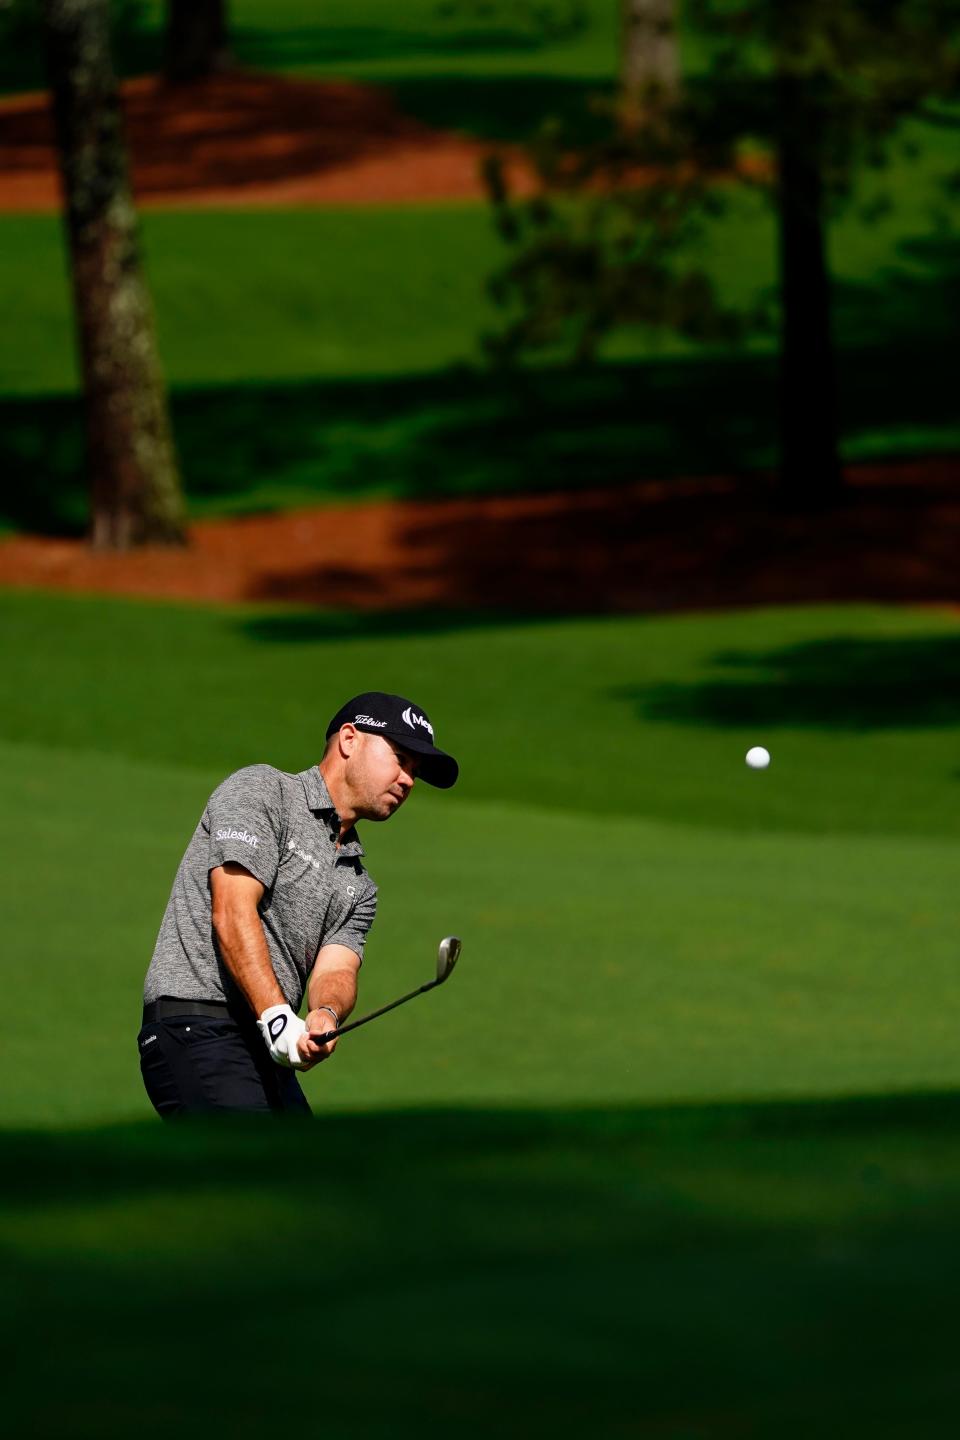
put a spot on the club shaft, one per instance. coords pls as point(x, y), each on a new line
point(355, 1024)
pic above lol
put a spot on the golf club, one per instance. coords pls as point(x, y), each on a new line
point(448, 954)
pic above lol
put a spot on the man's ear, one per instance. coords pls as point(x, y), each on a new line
point(349, 739)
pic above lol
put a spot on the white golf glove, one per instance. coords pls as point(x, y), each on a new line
point(281, 1029)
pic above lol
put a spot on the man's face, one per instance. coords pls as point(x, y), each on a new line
point(381, 775)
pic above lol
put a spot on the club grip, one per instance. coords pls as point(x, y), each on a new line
point(325, 1038)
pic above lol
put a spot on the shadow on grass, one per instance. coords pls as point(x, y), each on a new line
point(308, 626)
point(841, 683)
point(45, 1165)
point(260, 448)
point(506, 108)
point(137, 41)
point(343, 46)
point(917, 299)
point(755, 1270)
point(250, 448)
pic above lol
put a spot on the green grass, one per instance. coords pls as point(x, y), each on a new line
point(623, 884)
point(376, 40)
point(266, 296)
point(766, 1272)
point(426, 36)
point(373, 292)
point(495, 76)
point(335, 354)
point(607, 1178)
point(577, 1189)
point(261, 447)
point(492, 75)
point(248, 448)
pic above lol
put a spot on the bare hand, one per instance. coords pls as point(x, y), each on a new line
point(319, 1022)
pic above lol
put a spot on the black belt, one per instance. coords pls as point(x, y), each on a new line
point(168, 1005)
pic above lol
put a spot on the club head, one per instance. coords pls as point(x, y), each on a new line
point(447, 957)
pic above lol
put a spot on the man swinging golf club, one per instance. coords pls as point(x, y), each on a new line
point(272, 901)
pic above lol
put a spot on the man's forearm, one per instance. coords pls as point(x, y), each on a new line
point(243, 947)
point(336, 988)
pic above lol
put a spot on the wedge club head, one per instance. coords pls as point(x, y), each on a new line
point(447, 956)
point(448, 953)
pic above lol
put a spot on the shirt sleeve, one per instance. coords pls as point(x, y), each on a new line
point(355, 926)
point(245, 819)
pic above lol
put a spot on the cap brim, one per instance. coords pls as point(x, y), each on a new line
point(436, 766)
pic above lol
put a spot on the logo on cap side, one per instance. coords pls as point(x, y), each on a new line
point(369, 720)
point(414, 720)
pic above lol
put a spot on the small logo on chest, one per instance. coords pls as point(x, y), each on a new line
point(303, 854)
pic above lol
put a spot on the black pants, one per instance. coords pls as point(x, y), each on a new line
point(199, 1064)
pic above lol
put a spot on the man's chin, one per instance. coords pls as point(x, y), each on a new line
point(383, 812)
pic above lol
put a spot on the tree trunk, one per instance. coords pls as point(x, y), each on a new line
point(196, 39)
point(136, 495)
point(649, 59)
point(810, 467)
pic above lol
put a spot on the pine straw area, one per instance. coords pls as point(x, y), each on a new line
point(651, 546)
point(247, 138)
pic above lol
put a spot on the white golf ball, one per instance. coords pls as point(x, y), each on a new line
point(758, 758)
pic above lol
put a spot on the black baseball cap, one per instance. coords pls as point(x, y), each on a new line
point(406, 725)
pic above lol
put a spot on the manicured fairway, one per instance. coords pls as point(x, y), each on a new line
point(456, 58)
point(644, 919)
point(760, 1272)
point(674, 1153)
point(385, 291)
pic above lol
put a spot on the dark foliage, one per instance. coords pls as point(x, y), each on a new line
point(821, 90)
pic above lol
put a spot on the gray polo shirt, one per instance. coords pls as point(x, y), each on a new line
point(284, 830)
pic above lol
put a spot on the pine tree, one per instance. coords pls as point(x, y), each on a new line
point(135, 486)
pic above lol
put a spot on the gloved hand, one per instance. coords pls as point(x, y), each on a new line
point(281, 1030)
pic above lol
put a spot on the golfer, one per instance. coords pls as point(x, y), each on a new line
point(271, 902)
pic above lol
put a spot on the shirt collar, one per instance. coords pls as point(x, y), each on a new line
point(318, 798)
